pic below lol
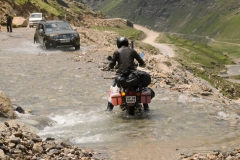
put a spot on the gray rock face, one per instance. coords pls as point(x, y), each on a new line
point(6, 108)
point(166, 15)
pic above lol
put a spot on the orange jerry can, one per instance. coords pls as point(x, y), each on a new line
point(116, 99)
point(114, 96)
point(146, 96)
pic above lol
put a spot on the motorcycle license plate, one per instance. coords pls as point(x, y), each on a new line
point(131, 99)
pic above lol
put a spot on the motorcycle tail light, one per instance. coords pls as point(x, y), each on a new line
point(130, 93)
point(123, 94)
point(138, 94)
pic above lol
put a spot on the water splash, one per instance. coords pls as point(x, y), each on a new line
point(70, 119)
point(223, 114)
point(94, 138)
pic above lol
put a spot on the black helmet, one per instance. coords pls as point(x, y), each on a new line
point(122, 41)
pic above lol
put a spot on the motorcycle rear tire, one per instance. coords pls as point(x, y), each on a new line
point(131, 110)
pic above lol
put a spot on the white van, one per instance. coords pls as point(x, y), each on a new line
point(35, 18)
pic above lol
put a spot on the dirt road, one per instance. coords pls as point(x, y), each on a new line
point(150, 39)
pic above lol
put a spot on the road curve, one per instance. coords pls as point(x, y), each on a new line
point(150, 39)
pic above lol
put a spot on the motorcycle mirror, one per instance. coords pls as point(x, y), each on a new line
point(142, 55)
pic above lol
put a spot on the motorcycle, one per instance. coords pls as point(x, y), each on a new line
point(130, 91)
point(129, 98)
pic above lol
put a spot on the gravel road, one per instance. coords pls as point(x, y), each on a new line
point(150, 39)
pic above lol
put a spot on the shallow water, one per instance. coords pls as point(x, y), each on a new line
point(68, 100)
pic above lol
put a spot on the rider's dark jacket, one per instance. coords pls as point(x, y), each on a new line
point(125, 56)
point(9, 20)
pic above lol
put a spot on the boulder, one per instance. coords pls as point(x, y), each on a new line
point(6, 108)
point(20, 21)
point(2, 154)
point(37, 147)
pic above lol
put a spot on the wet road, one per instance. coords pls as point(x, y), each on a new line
point(68, 100)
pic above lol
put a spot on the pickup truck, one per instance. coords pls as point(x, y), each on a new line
point(34, 19)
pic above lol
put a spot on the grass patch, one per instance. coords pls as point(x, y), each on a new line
point(235, 77)
point(82, 9)
point(200, 53)
point(231, 50)
point(110, 6)
point(21, 2)
point(76, 9)
point(49, 8)
point(126, 31)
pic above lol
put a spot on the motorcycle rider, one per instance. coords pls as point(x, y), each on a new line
point(124, 56)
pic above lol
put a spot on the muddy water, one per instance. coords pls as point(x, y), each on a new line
point(68, 100)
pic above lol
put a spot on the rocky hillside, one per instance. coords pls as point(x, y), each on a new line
point(72, 10)
point(218, 19)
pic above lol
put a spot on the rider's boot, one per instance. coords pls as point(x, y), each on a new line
point(145, 107)
point(109, 107)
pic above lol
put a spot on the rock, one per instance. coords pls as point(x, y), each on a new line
point(14, 124)
point(54, 151)
point(21, 147)
point(18, 134)
point(15, 140)
point(6, 124)
point(37, 148)
point(2, 155)
point(160, 75)
point(20, 21)
point(6, 108)
point(36, 139)
point(164, 67)
point(11, 145)
point(50, 139)
point(49, 145)
point(20, 110)
point(206, 93)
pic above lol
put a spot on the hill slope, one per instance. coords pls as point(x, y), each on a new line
point(215, 18)
point(72, 10)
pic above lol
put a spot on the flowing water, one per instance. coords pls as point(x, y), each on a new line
point(68, 101)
